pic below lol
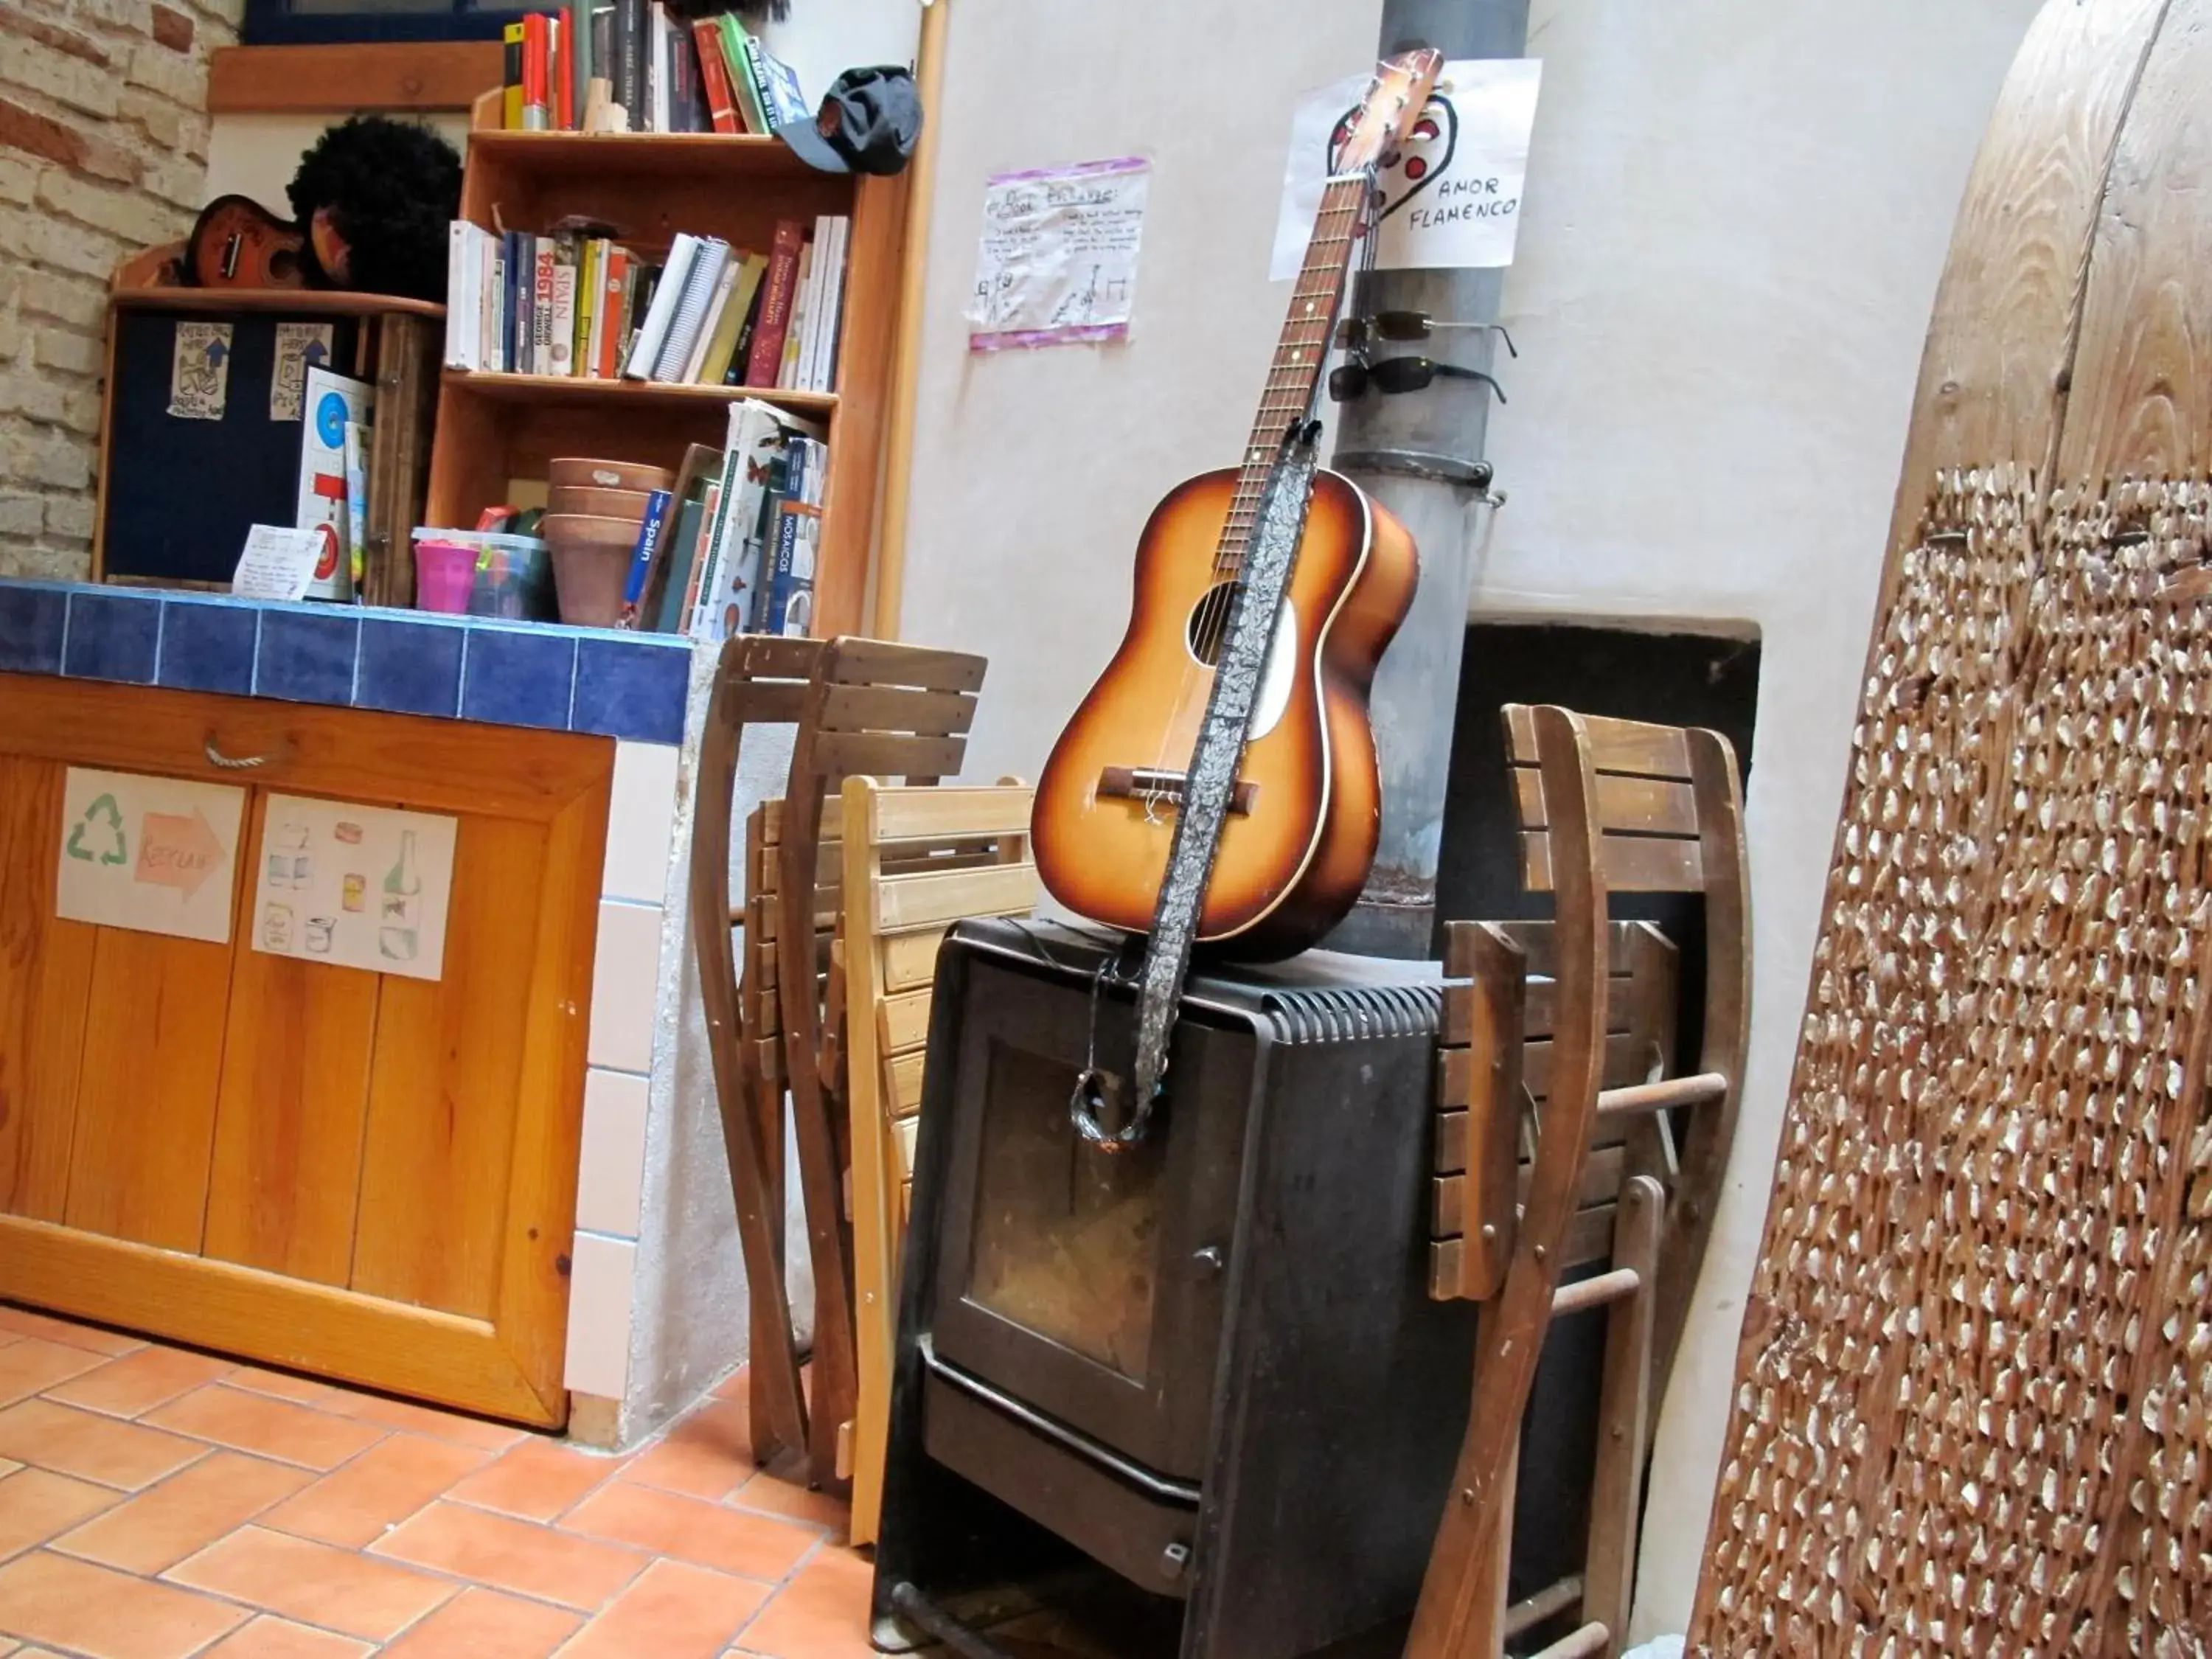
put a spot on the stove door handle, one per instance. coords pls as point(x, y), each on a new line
point(1029, 1417)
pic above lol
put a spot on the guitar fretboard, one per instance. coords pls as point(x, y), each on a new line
point(1300, 354)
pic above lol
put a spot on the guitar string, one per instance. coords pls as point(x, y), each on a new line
point(1262, 447)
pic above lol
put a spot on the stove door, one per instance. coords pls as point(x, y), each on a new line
point(1084, 1282)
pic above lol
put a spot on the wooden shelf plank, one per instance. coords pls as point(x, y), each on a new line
point(428, 74)
point(561, 388)
point(669, 154)
point(289, 301)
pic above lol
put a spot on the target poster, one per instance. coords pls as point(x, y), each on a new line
point(1451, 198)
point(332, 403)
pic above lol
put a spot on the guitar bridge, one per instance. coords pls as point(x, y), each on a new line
point(1154, 786)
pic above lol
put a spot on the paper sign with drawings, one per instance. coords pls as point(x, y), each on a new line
point(152, 854)
point(1452, 197)
point(1058, 261)
point(354, 886)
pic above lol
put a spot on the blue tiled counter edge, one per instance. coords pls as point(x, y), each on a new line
point(404, 662)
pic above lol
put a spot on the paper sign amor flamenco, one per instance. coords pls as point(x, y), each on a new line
point(157, 855)
point(1451, 198)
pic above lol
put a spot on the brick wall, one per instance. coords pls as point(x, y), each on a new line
point(103, 152)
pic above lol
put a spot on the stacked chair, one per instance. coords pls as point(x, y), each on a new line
point(776, 962)
point(1567, 1139)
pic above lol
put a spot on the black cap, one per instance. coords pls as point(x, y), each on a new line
point(868, 123)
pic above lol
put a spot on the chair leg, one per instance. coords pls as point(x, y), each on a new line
point(1623, 1415)
point(776, 1399)
point(821, 1175)
point(1486, 1636)
point(779, 1413)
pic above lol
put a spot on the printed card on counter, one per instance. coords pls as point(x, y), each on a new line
point(277, 563)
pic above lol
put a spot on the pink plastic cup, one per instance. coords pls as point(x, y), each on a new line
point(444, 571)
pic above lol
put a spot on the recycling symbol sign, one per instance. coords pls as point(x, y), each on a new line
point(97, 837)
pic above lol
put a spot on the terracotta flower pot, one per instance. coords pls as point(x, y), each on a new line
point(590, 564)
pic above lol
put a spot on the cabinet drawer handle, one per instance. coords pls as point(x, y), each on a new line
point(243, 763)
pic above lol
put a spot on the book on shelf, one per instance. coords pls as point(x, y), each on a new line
point(802, 295)
point(575, 303)
point(641, 66)
point(760, 469)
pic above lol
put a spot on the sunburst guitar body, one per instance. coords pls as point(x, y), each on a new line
point(1301, 830)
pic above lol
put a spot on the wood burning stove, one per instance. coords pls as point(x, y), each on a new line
point(1208, 1364)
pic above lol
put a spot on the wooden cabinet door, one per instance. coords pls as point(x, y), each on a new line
point(365, 1177)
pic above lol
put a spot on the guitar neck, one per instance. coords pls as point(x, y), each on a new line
point(1301, 352)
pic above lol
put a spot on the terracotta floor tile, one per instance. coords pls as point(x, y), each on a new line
point(36, 1504)
point(674, 1611)
point(90, 1610)
point(91, 1447)
point(482, 1624)
point(186, 1513)
point(339, 1589)
point(32, 1365)
point(280, 1639)
point(358, 1503)
point(508, 1554)
point(300, 1390)
point(21, 1322)
point(273, 1428)
point(823, 1613)
point(139, 1382)
point(429, 1420)
point(709, 1455)
point(772, 1494)
point(754, 1546)
point(537, 1481)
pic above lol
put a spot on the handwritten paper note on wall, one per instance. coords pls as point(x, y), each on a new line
point(1058, 264)
point(153, 854)
point(355, 886)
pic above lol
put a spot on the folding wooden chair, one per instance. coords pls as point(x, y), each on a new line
point(1606, 806)
point(876, 709)
point(757, 681)
point(916, 860)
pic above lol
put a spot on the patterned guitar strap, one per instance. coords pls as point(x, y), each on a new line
point(1207, 792)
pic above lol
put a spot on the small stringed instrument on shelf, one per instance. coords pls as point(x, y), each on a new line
point(1302, 815)
point(237, 243)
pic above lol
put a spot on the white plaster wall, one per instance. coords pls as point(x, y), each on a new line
point(1736, 214)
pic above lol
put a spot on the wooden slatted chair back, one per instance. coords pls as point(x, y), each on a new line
point(916, 862)
point(1491, 1094)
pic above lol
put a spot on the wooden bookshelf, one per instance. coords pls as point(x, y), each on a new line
point(650, 187)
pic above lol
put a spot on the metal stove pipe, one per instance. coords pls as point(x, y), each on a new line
point(1420, 454)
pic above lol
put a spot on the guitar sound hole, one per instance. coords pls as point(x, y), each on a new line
point(1208, 628)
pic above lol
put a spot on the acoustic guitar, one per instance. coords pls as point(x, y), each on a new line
point(237, 243)
point(1304, 812)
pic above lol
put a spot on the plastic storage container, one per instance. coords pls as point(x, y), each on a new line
point(513, 578)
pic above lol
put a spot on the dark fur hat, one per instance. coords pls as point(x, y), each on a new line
point(391, 188)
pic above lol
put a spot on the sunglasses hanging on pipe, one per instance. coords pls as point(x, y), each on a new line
point(1396, 374)
point(1355, 333)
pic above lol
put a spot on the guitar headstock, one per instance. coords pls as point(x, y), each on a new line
point(1394, 101)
